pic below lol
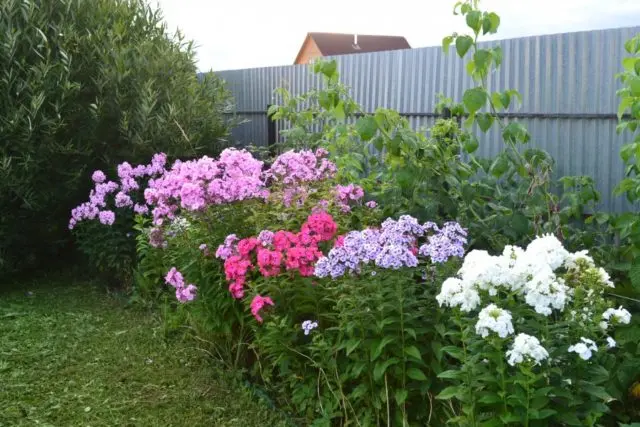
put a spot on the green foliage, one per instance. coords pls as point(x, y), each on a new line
point(628, 226)
point(214, 317)
point(86, 85)
point(371, 362)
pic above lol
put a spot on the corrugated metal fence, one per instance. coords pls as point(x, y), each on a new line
point(567, 82)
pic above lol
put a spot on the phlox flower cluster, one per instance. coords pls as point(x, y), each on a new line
point(272, 253)
point(618, 315)
point(257, 304)
point(494, 319)
point(446, 242)
point(526, 347)
point(193, 185)
point(528, 273)
point(535, 276)
point(129, 177)
point(308, 326)
point(183, 293)
point(346, 194)
point(392, 246)
point(585, 348)
point(295, 167)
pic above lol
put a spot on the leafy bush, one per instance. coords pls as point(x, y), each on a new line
point(88, 84)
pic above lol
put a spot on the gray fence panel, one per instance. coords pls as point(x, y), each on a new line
point(567, 82)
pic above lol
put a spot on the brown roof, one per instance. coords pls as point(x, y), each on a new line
point(341, 44)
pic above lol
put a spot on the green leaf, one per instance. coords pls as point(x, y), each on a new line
point(451, 392)
point(541, 414)
point(451, 374)
point(329, 68)
point(632, 46)
point(474, 20)
point(446, 42)
point(505, 99)
point(624, 104)
point(634, 276)
point(401, 396)
point(496, 100)
point(514, 93)
point(597, 374)
point(514, 132)
point(352, 344)
point(485, 121)
point(634, 85)
point(453, 351)
point(366, 127)
point(413, 351)
point(496, 54)
point(490, 23)
point(474, 99)
point(463, 44)
point(499, 166)
point(382, 366)
point(416, 374)
point(629, 64)
point(569, 418)
point(471, 144)
point(482, 60)
point(338, 111)
point(377, 349)
point(598, 392)
point(490, 398)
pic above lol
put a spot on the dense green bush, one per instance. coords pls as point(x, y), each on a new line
point(87, 84)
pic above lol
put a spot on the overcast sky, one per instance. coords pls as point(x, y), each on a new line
point(235, 34)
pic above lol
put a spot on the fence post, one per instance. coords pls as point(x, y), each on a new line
point(272, 138)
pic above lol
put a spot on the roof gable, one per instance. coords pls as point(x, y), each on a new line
point(341, 44)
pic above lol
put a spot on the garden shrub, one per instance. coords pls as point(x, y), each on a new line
point(89, 84)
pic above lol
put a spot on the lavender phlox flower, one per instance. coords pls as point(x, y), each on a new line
point(308, 326)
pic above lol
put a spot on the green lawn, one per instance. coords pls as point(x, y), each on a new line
point(71, 355)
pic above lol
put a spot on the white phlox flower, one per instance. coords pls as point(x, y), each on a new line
point(603, 325)
point(573, 259)
point(526, 347)
point(605, 278)
point(546, 292)
point(493, 318)
point(525, 269)
point(458, 293)
point(620, 315)
point(479, 268)
point(548, 248)
point(611, 343)
point(584, 349)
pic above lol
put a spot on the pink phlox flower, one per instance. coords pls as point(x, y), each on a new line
point(174, 278)
point(283, 240)
point(98, 177)
point(269, 262)
point(186, 294)
point(257, 305)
